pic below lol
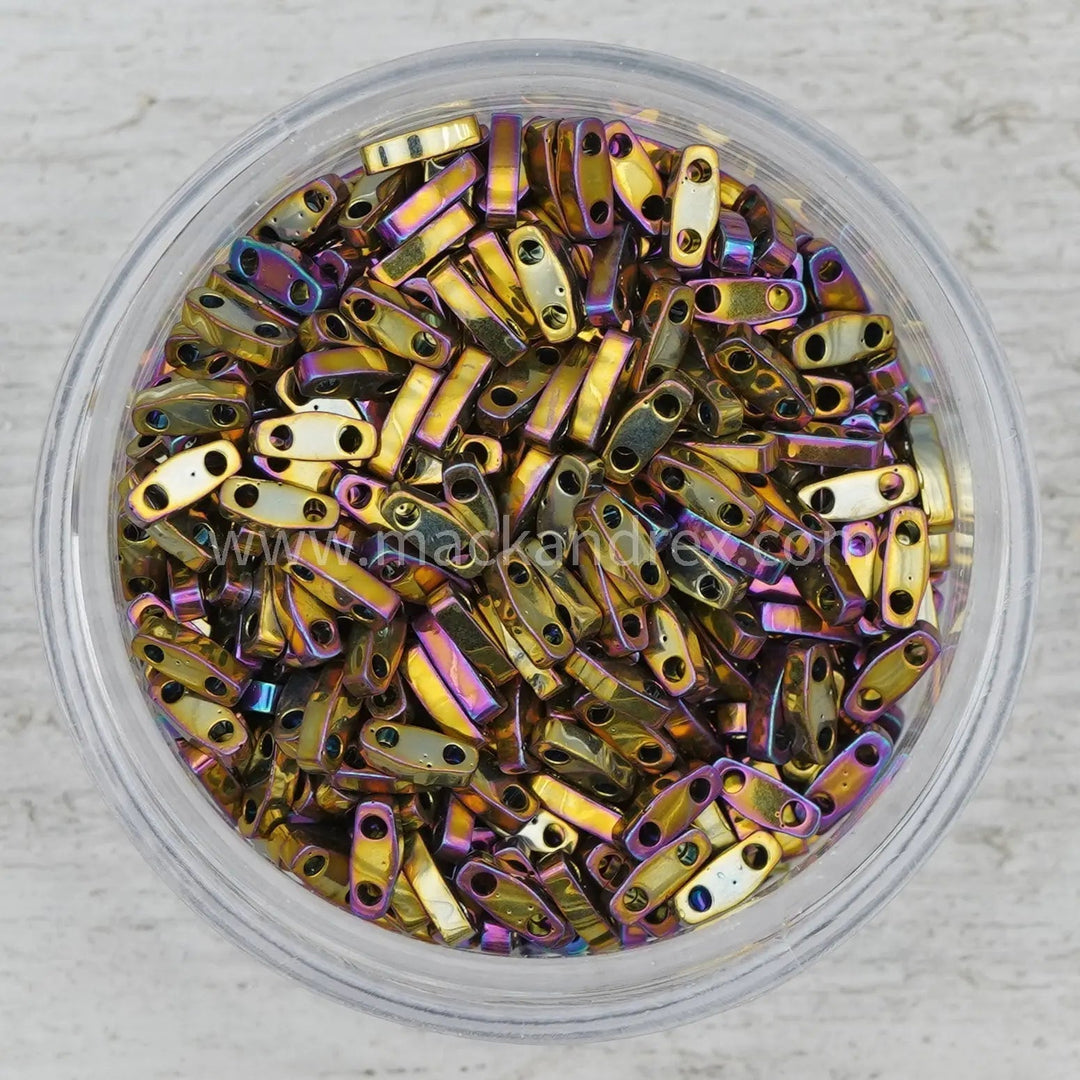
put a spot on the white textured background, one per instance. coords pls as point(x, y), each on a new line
point(972, 109)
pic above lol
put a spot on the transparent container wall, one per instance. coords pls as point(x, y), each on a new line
point(950, 728)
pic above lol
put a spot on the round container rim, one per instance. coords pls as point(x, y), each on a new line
point(589, 1008)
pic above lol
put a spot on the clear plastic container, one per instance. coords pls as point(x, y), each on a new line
point(951, 353)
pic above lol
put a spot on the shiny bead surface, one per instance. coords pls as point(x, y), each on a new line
point(527, 538)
